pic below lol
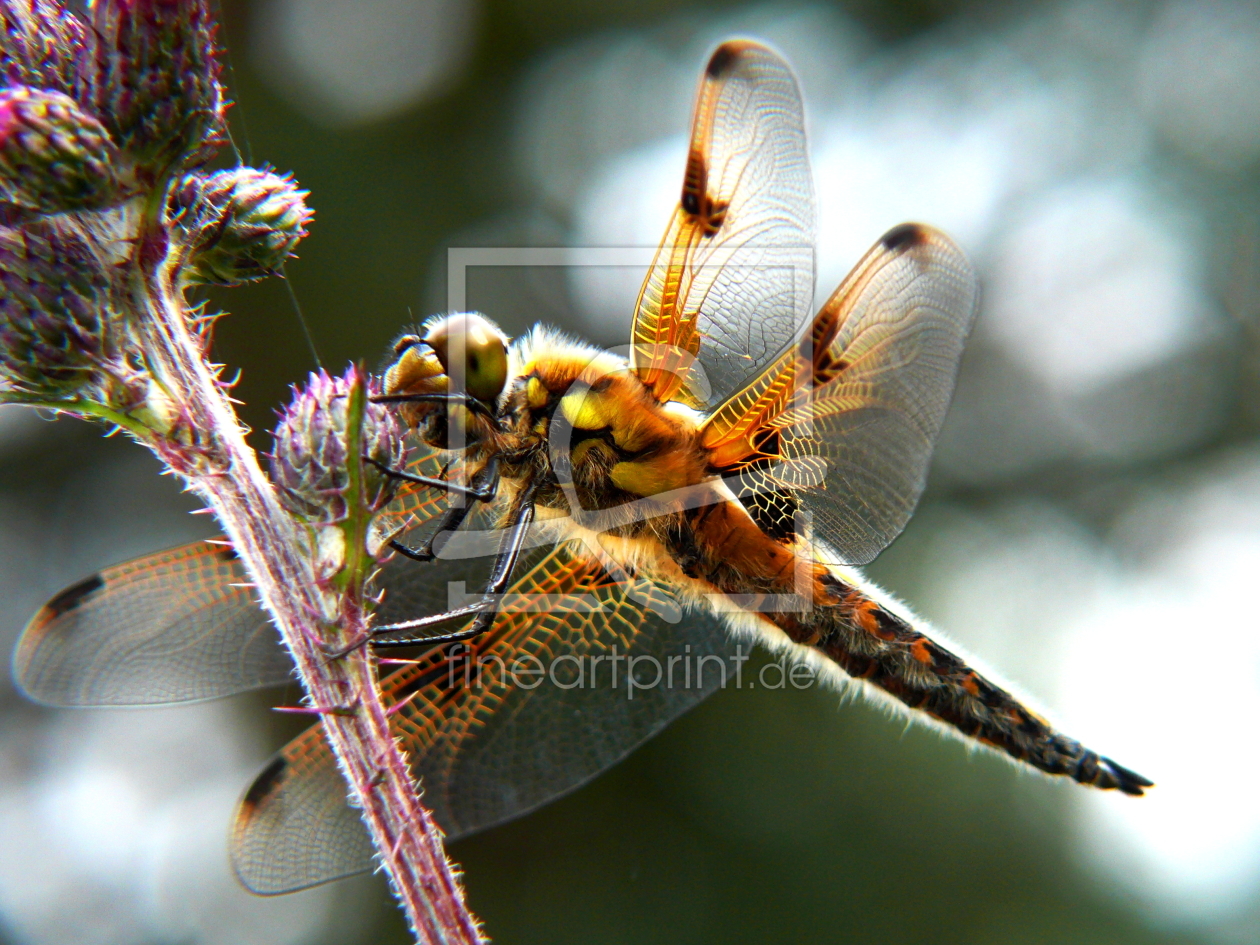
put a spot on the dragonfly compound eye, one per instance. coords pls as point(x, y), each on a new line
point(485, 362)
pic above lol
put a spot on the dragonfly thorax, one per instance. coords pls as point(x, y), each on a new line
point(598, 425)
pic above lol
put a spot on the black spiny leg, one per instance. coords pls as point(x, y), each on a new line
point(482, 492)
point(484, 487)
point(509, 553)
point(472, 404)
point(451, 519)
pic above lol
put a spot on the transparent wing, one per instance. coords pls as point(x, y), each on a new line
point(177, 626)
point(733, 280)
point(843, 424)
point(294, 827)
point(488, 737)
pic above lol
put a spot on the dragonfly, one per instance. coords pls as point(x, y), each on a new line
point(718, 484)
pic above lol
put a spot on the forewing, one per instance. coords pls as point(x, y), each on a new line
point(733, 279)
point(177, 626)
point(847, 419)
point(488, 738)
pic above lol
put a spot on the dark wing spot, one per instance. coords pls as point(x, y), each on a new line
point(263, 784)
point(722, 59)
point(72, 597)
point(828, 368)
point(717, 216)
point(904, 236)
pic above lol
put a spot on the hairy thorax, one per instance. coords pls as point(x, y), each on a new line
point(617, 464)
point(603, 438)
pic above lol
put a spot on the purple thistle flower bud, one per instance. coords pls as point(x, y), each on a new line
point(151, 73)
point(240, 224)
point(53, 156)
point(54, 309)
point(41, 43)
point(310, 457)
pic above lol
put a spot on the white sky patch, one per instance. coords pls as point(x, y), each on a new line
point(1193, 844)
point(1164, 675)
point(1089, 284)
point(1199, 80)
point(1144, 647)
point(910, 167)
point(995, 583)
point(629, 204)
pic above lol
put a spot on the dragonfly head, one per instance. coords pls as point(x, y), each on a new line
point(465, 351)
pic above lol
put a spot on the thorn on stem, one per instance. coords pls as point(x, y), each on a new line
point(344, 651)
point(344, 710)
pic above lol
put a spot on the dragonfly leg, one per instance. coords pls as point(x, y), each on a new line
point(509, 554)
point(484, 488)
point(481, 489)
point(450, 522)
point(453, 399)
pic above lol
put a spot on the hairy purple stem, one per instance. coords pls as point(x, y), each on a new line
point(224, 471)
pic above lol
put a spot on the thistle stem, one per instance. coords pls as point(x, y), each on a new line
point(224, 471)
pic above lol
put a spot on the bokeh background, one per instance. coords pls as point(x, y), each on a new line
point(1092, 525)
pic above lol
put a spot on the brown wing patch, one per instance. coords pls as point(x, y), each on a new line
point(293, 827)
point(740, 432)
point(734, 273)
point(666, 339)
point(905, 234)
point(847, 416)
point(72, 597)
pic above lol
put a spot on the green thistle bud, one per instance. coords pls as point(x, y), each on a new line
point(151, 73)
point(54, 310)
point(240, 224)
point(309, 460)
point(40, 44)
point(53, 156)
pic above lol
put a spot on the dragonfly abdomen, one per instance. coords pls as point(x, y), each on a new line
point(873, 643)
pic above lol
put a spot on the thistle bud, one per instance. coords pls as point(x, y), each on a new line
point(240, 224)
point(311, 455)
point(40, 44)
point(53, 156)
point(152, 75)
point(54, 310)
